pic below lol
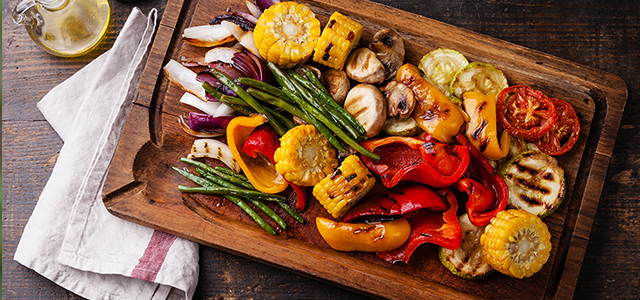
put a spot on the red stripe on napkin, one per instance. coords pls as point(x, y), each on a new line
point(153, 257)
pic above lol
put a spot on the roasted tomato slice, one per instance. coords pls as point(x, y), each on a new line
point(525, 112)
point(564, 133)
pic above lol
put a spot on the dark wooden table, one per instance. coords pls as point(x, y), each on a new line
point(601, 34)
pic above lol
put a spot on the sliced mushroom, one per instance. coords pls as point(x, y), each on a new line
point(391, 39)
point(363, 66)
point(389, 49)
point(367, 104)
point(400, 99)
point(337, 83)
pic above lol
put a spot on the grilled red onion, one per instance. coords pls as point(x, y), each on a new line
point(235, 18)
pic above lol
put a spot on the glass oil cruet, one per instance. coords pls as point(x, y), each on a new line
point(65, 28)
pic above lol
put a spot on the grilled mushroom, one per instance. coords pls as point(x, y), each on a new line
point(363, 66)
point(400, 99)
point(389, 49)
point(337, 83)
point(367, 104)
point(391, 39)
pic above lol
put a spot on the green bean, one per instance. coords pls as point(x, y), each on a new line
point(322, 92)
point(230, 172)
point(307, 88)
point(288, 124)
point(250, 100)
point(233, 100)
point(241, 177)
point(292, 212)
point(237, 201)
point(211, 90)
point(300, 113)
point(236, 177)
point(232, 192)
point(267, 210)
point(313, 79)
point(287, 85)
point(264, 87)
point(227, 177)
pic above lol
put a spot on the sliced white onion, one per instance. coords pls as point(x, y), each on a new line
point(223, 54)
point(214, 149)
point(245, 38)
point(207, 107)
point(253, 9)
point(207, 35)
point(224, 110)
point(184, 78)
point(200, 134)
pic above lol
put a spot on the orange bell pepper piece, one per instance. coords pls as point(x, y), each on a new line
point(260, 170)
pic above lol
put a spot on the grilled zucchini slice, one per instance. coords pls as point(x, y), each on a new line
point(466, 261)
point(401, 127)
point(440, 66)
point(478, 77)
point(536, 183)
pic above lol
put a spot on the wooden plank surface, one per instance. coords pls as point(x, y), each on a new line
point(602, 35)
point(139, 185)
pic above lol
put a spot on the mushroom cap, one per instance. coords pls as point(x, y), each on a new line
point(337, 83)
point(368, 106)
point(363, 66)
point(400, 99)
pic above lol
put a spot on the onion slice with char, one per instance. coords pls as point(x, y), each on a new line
point(215, 149)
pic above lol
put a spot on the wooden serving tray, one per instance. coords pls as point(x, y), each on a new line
point(141, 187)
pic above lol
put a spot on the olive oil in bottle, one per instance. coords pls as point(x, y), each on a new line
point(65, 28)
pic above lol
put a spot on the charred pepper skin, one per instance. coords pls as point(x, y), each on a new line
point(408, 158)
point(482, 128)
point(434, 112)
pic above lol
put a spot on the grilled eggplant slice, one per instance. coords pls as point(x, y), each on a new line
point(536, 183)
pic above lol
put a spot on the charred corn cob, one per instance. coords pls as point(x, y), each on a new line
point(516, 243)
point(342, 189)
point(339, 37)
point(287, 33)
point(305, 156)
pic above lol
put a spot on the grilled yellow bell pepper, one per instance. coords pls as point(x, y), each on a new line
point(482, 128)
point(260, 170)
point(434, 112)
point(369, 237)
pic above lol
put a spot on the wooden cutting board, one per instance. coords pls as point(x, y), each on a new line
point(141, 187)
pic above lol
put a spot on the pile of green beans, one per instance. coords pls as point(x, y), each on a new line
point(236, 188)
point(302, 96)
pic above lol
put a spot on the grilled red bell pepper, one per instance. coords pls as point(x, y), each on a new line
point(432, 216)
point(265, 140)
point(409, 158)
point(262, 140)
point(488, 194)
point(397, 203)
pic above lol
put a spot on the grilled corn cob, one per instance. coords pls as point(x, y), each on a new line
point(339, 37)
point(305, 156)
point(516, 243)
point(341, 190)
point(286, 34)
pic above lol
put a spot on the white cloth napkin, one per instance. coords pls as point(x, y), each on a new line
point(71, 238)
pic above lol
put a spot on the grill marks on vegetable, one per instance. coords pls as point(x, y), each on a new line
point(349, 178)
